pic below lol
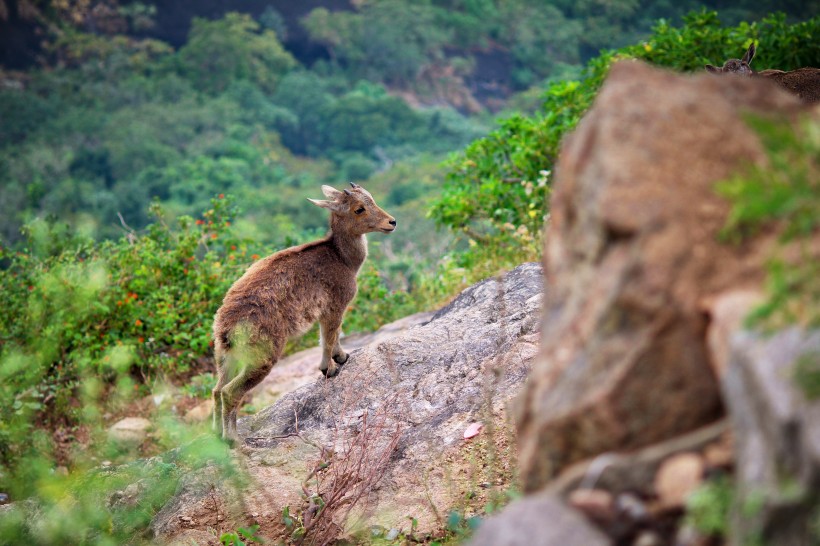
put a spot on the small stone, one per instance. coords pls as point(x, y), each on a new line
point(132, 490)
point(677, 478)
point(689, 536)
point(131, 430)
point(720, 454)
point(199, 413)
point(728, 312)
point(472, 430)
point(648, 538)
point(629, 505)
point(106, 464)
point(393, 534)
point(4, 498)
point(597, 504)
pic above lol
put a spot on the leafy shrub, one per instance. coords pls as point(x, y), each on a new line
point(140, 306)
point(75, 343)
point(489, 182)
point(806, 374)
point(784, 195)
point(200, 386)
point(707, 509)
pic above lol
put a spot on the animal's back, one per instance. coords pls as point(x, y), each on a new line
point(803, 82)
point(284, 293)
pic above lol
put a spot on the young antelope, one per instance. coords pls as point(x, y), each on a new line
point(281, 296)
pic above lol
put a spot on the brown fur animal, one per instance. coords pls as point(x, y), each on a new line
point(281, 296)
point(803, 82)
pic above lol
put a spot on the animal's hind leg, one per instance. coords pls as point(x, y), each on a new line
point(332, 352)
point(217, 393)
point(248, 377)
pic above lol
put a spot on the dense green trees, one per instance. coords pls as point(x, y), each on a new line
point(222, 51)
point(124, 122)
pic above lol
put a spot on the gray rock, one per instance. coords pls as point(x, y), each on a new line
point(130, 430)
point(300, 369)
point(538, 519)
point(777, 439)
point(437, 368)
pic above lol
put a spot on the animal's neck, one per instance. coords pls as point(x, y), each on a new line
point(352, 248)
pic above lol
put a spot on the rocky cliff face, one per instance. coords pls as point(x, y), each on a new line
point(394, 419)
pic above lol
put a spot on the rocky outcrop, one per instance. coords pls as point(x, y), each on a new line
point(777, 434)
point(409, 400)
point(633, 261)
point(299, 369)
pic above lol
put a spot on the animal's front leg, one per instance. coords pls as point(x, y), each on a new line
point(332, 352)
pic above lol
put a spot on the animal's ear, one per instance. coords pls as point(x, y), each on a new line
point(331, 192)
point(712, 69)
point(330, 205)
point(750, 54)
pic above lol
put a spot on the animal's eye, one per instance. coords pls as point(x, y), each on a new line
point(359, 210)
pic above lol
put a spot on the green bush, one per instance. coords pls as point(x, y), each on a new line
point(707, 508)
point(141, 305)
point(783, 196)
point(491, 183)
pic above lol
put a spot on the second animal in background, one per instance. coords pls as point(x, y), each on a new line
point(803, 82)
point(283, 295)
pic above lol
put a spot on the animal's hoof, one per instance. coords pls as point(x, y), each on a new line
point(230, 442)
point(330, 372)
point(341, 359)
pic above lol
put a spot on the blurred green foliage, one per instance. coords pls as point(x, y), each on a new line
point(784, 196)
point(490, 186)
point(86, 323)
point(708, 507)
point(119, 122)
point(141, 305)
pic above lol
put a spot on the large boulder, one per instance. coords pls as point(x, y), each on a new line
point(633, 261)
point(394, 418)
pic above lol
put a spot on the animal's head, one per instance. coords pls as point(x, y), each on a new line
point(736, 66)
point(355, 211)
